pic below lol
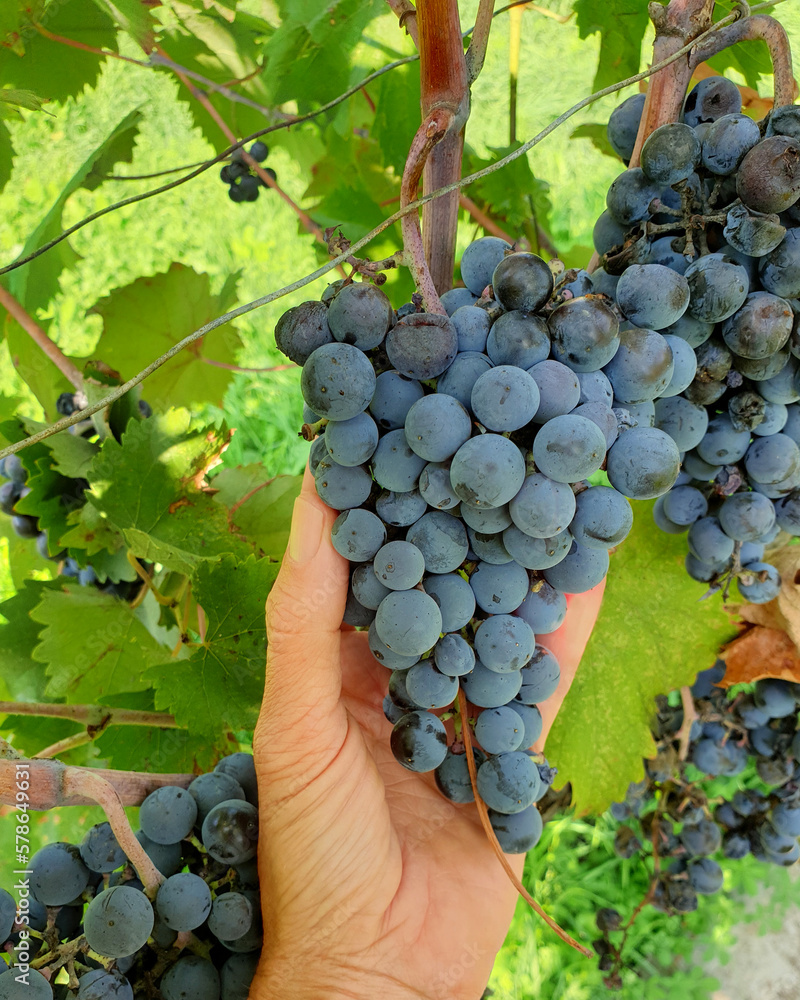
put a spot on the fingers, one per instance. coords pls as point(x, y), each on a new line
point(567, 644)
point(304, 615)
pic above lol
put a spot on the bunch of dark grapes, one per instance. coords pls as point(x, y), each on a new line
point(89, 913)
point(700, 251)
point(244, 185)
point(458, 449)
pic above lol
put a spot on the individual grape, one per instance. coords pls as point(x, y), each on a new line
point(662, 252)
point(691, 329)
point(726, 141)
point(705, 876)
point(460, 378)
point(486, 688)
point(777, 698)
point(603, 518)
point(489, 548)
point(504, 398)
point(208, 790)
point(580, 570)
point(429, 687)
point(398, 692)
point(670, 153)
point(623, 125)
point(355, 613)
point(472, 328)
point(230, 832)
point(607, 234)
point(442, 540)
point(779, 270)
point(408, 622)
point(517, 833)
point(558, 390)
point(394, 465)
point(351, 442)
point(759, 583)
point(508, 782)
point(499, 589)
point(710, 99)
point(394, 396)
point(98, 984)
point(540, 677)
point(236, 976)
point(504, 643)
point(400, 509)
point(751, 234)
point(479, 260)
point(584, 333)
point(422, 345)
point(455, 299)
point(786, 820)
point(544, 608)
point(783, 121)
point(454, 598)
point(25, 525)
point(684, 421)
point(33, 987)
point(100, 850)
point(643, 463)
point(629, 197)
point(722, 444)
point(398, 566)
point(536, 553)
point(760, 328)
point(167, 858)
point(764, 368)
point(603, 416)
point(244, 189)
point(787, 513)
point(118, 921)
point(718, 287)
point(604, 283)
point(751, 552)
point(8, 914)
point(746, 410)
point(684, 361)
point(318, 452)
point(452, 776)
point(542, 507)
point(184, 901)
point(453, 655)
point(301, 330)
point(595, 388)
point(568, 449)
point(533, 724)
point(391, 712)
point(772, 459)
point(487, 520)
point(642, 367)
point(360, 314)
point(338, 381)
point(499, 730)
point(517, 338)
point(241, 766)
point(436, 427)
point(774, 420)
point(663, 523)
point(419, 741)
point(768, 179)
point(783, 387)
point(684, 505)
point(57, 874)
point(705, 572)
point(708, 542)
point(367, 588)
point(488, 470)
point(190, 977)
point(522, 281)
point(358, 535)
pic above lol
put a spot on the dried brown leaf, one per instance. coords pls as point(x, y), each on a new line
point(760, 652)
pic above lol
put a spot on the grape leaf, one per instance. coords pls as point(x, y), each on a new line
point(6, 155)
point(31, 734)
point(653, 635)
point(597, 134)
point(134, 18)
point(621, 24)
point(144, 319)
point(397, 114)
point(43, 378)
point(89, 532)
point(72, 455)
point(45, 66)
point(221, 685)
point(19, 633)
point(261, 506)
point(12, 100)
point(513, 194)
point(93, 645)
point(146, 486)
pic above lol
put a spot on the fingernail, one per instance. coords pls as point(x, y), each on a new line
point(308, 523)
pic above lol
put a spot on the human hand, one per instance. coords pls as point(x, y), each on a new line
point(375, 887)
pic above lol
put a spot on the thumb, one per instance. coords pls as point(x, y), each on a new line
point(301, 711)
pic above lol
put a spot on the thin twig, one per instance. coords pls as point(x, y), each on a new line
point(70, 371)
point(90, 715)
point(239, 368)
point(476, 53)
point(61, 747)
point(247, 307)
point(689, 716)
point(406, 14)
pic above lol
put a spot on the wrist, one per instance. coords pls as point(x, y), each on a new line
point(318, 979)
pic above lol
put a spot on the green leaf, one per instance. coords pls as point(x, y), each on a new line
point(11, 100)
point(144, 319)
point(397, 114)
point(263, 505)
point(19, 633)
point(41, 375)
point(46, 66)
point(31, 734)
point(6, 155)
point(221, 685)
point(653, 635)
point(597, 134)
point(134, 18)
point(621, 24)
point(146, 486)
point(94, 645)
point(118, 150)
point(89, 532)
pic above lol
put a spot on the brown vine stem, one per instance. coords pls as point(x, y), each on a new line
point(483, 812)
point(431, 131)
point(689, 716)
point(61, 747)
point(70, 371)
point(758, 27)
point(476, 53)
point(90, 715)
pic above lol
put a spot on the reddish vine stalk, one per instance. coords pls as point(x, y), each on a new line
point(68, 369)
